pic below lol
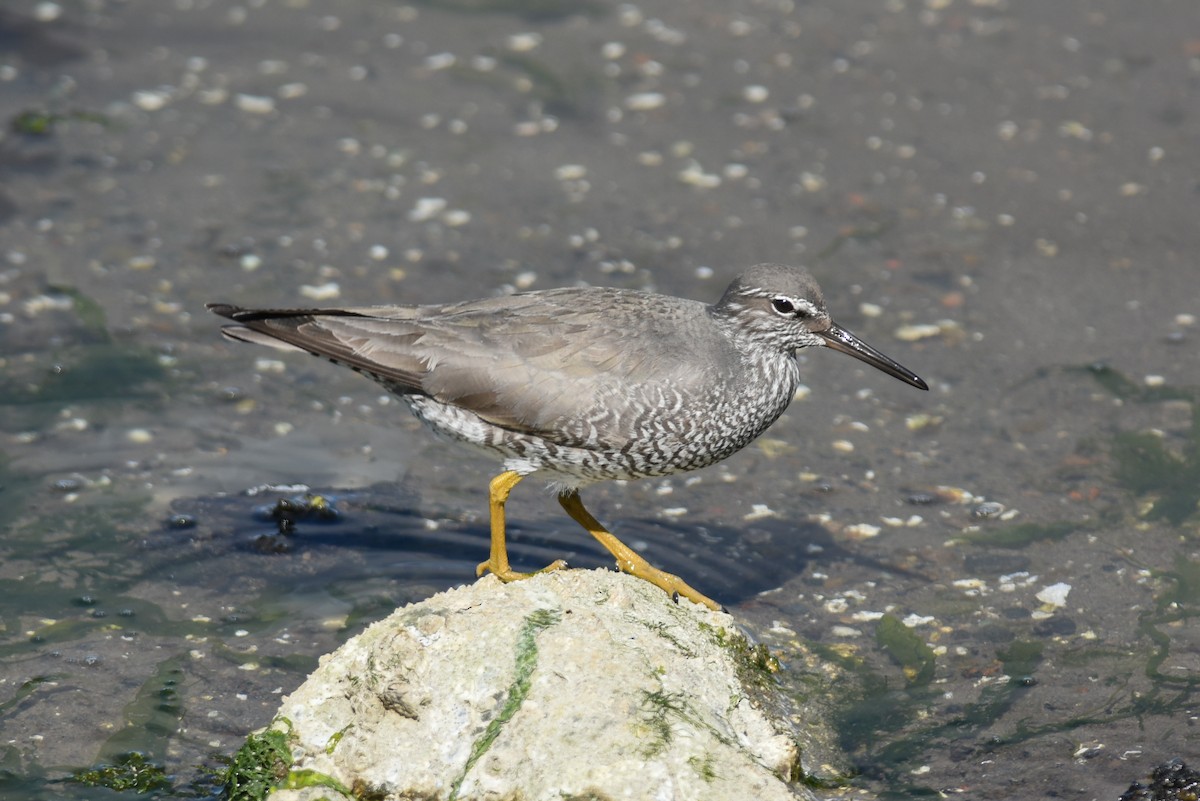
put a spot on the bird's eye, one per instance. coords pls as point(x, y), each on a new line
point(783, 306)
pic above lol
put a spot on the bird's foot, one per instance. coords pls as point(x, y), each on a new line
point(506, 574)
point(670, 584)
point(628, 560)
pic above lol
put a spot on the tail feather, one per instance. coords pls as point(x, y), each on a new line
point(244, 315)
point(241, 333)
point(302, 330)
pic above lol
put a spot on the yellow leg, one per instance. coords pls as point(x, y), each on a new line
point(628, 560)
point(498, 492)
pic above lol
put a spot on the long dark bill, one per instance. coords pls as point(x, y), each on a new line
point(845, 341)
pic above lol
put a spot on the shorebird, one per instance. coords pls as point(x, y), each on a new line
point(580, 385)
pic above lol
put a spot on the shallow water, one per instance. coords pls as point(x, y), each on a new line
point(1001, 196)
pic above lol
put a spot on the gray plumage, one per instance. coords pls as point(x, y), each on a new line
point(584, 384)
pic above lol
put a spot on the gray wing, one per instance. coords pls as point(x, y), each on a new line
point(567, 365)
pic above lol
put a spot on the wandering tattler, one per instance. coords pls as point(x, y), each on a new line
point(584, 384)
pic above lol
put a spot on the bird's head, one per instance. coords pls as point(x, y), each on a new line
point(781, 307)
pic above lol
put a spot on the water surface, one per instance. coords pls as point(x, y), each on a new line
point(999, 195)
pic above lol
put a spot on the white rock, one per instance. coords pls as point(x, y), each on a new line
point(151, 99)
point(566, 685)
point(47, 12)
point(1055, 595)
point(327, 291)
point(427, 208)
point(254, 104)
point(645, 101)
point(755, 93)
point(524, 42)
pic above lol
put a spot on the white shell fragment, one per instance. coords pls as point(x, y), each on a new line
point(1055, 595)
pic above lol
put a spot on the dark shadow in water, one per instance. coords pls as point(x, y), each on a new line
point(36, 43)
point(382, 526)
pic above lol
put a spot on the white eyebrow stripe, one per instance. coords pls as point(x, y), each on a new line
point(805, 305)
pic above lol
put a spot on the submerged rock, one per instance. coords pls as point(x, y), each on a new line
point(574, 684)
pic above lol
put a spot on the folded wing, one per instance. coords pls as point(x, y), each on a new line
point(544, 363)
